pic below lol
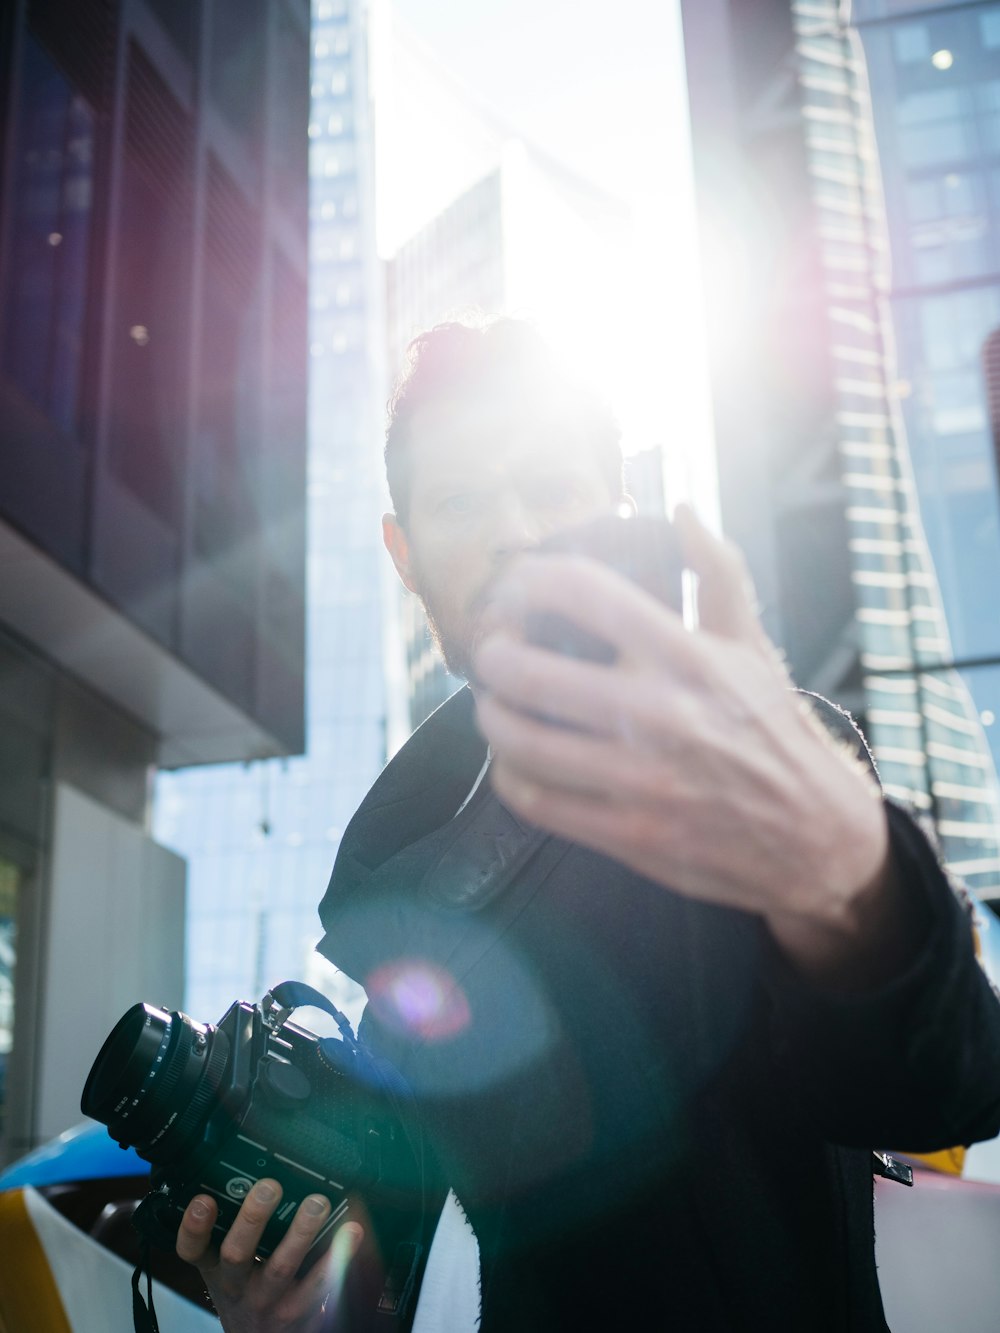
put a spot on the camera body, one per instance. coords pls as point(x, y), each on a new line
point(216, 1107)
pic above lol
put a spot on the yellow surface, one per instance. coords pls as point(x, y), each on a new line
point(29, 1300)
point(949, 1160)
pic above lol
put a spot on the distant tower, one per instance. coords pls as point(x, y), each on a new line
point(261, 840)
point(492, 250)
point(816, 476)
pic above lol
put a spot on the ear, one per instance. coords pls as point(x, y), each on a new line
point(398, 545)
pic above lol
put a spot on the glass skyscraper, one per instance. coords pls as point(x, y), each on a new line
point(848, 161)
point(260, 839)
point(934, 79)
point(926, 731)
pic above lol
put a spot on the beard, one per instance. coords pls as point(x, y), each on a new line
point(454, 651)
point(454, 636)
point(455, 629)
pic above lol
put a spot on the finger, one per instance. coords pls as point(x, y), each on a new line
point(726, 599)
point(568, 759)
point(282, 1265)
point(239, 1245)
point(589, 696)
point(194, 1235)
point(324, 1286)
point(550, 684)
point(596, 598)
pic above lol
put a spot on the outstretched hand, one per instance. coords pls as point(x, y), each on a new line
point(689, 759)
point(251, 1296)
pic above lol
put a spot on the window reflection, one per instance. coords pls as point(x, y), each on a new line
point(8, 949)
point(50, 239)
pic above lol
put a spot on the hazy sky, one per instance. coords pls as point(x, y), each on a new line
point(600, 88)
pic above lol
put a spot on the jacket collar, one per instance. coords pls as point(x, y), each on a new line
point(417, 792)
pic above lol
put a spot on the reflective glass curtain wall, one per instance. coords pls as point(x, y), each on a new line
point(910, 409)
point(934, 73)
point(51, 238)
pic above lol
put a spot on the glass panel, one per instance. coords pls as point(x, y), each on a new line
point(288, 146)
point(227, 513)
point(989, 27)
point(911, 41)
point(50, 239)
point(236, 64)
point(9, 877)
point(938, 122)
point(862, 11)
point(148, 411)
point(180, 18)
point(941, 360)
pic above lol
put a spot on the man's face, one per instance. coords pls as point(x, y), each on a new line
point(486, 486)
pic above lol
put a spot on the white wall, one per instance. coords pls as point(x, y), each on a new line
point(936, 1246)
point(113, 935)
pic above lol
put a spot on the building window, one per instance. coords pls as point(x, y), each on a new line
point(911, 43)
point(236, 65)
point(45, 307)
point(227, 400)
point(181, 19)
point(989, 28)
point(8, 952)
point(151, 313)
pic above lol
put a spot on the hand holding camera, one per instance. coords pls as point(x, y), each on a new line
point(268, 1143)
point(272, 1296)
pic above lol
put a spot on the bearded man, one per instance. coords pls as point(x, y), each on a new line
point(657, 960)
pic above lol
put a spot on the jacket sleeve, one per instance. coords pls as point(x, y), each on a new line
point(914, 1064)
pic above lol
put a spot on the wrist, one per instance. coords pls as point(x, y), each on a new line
point(852, 933)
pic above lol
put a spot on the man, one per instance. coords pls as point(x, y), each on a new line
point(662, 978)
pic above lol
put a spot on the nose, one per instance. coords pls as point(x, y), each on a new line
point(516, 527)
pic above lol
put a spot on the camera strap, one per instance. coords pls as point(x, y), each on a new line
point(408, 1236)
point(143, 1315)
point(290, 995)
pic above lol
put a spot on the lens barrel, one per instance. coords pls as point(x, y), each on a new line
point(155, 1080)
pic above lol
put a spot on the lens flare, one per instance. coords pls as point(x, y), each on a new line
point(418, 998)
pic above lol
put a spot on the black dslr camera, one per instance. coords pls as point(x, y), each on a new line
point(215, 1107)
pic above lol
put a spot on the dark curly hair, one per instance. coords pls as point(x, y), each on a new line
point(505, 359)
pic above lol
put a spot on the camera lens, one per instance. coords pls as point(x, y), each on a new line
point(154, 1080)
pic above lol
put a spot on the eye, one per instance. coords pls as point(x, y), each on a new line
point(460, 503)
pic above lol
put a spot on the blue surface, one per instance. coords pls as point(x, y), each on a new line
point(85, 1152)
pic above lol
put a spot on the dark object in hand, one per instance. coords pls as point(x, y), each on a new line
point(642, 549)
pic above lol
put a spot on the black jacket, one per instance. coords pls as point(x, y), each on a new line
point(650, 1119)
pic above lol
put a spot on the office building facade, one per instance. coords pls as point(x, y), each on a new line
point(934, 79)
point(847, 491)
point(152, 412)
